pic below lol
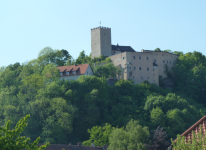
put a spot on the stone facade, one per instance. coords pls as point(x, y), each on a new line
point(138, 66)
point(101, 41)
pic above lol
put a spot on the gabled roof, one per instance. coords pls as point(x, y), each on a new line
point(80, 69)
point(123, 48)
point(188, 133)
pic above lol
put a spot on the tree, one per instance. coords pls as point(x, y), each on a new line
point(99, 135)
point(158, 140)
point(157, 49)
point(48, 55)
point(11, 139)
point(132, 137)
point(107, 70)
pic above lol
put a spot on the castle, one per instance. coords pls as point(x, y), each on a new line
point(138, 66)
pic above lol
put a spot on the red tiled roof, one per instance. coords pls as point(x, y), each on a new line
point(188, 133)
point(80, 69)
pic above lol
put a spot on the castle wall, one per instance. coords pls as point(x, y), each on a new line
point(162, 58)
point(101, 41)
point(142, 67)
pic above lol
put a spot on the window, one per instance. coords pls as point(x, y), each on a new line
point(170, 62)
point(142, 78)
point(155, 60)
point(148, 77)
point(73, 72)
point(163, 61)
point(139, 57)
point(133, 57)
point(133, 77)
point(130, 67)
point(123, 58)
point(140, 68)
point(167, 61)
point(67, 72)
point(114, 51)
point(147, 58)
point(127, 67)
point(61, 73)
point(134, 68)
point(147, 68)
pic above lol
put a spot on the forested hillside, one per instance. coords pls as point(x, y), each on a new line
point(62, 111)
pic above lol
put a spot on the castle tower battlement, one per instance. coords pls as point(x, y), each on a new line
point(101, 41)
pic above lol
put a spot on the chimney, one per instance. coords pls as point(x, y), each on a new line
point(92, 144)
point(79, 144)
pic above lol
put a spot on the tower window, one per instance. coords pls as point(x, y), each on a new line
point(133, 57)
point(139, 57)
point(148, 77)
point(133, 77)
point(155, 60)
point(147, 58)
point(147, 68)
point(140, 68)
point(170, 62)
point(142, 78)
point(167, 61)
point(134, 68)
point(163, 61)
point(123, 58)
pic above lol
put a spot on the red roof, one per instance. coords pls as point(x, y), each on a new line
point(80, 69)
point(196, 128)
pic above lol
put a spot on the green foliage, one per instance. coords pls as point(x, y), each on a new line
point(107, 70)
point(157, 49)
point(48, 55)
point(196, 143)
point(99, 135)
point(63, 111)
point(133, 137)
point(11, 139)
point(189, 76)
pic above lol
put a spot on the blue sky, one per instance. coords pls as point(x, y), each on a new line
point(27, 26)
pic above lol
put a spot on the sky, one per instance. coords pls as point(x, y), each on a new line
point(26, 27)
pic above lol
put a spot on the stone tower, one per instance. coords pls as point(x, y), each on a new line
point(101, 41)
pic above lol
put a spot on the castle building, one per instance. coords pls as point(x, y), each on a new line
point(138, 66)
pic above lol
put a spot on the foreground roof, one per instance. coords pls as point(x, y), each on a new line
point(123, 48)
point(80, 69)
point(196, 128)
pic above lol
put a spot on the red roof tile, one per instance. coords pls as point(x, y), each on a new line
point(80, 69)
point(188, 133)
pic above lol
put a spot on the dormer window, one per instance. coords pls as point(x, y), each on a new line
point(61, 73)
point(67, 73)
point(74, 72)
